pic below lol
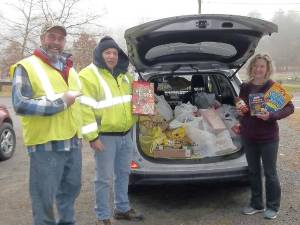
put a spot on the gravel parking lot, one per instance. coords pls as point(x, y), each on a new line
point(209, 204)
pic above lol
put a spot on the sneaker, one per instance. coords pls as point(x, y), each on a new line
point(250, 210)
point(270, 214)
point(103, 222)
point(129, 215)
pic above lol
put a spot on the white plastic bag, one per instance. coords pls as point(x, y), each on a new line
point(187, 108)
point(175, 124)
point(196, 122)
point(224, 143)
point(163, 108)
point(205, 142)
point(229, 116)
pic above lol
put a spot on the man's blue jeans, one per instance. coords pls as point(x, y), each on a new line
point(113, 162)
point(55, 176)
point(267, 154)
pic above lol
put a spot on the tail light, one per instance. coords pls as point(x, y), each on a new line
point(134, 165)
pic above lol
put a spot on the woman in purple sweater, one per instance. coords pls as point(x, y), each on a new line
point(260, 137)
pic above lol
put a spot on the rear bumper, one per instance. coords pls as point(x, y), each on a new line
point(150, 178)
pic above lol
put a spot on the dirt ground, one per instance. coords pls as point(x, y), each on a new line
point(210, 204)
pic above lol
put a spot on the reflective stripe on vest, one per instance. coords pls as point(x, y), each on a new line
point(48, 89)
point(77, 78)
point(126, 78)
point(89, 128)
point(109, 100)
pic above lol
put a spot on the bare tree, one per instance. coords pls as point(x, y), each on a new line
point(34, 13)
point(83, 50)
point(66, 12)
point(22, 31)
point(12, 53)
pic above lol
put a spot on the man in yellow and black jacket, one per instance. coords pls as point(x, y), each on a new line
point(107, 122)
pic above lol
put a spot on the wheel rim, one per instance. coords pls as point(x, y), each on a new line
point(7, 141)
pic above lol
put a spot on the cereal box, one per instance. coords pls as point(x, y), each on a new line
point(143, 98)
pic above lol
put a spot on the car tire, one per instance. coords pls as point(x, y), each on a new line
point(7, 141)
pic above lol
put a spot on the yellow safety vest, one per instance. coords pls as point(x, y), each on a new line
point(47, 83)
point(106, 102)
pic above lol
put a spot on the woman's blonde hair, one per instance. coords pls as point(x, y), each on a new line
point(268, 60)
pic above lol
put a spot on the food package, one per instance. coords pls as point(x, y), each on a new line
point(213, 119)
point(143, 100)
point(257, 104)
point(153, 121)
point(276, 97)
point(172, 153)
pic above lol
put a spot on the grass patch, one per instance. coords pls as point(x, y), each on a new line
point(291, 88)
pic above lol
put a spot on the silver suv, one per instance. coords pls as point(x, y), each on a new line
point(183, 56)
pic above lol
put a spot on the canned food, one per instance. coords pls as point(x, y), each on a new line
point(241, 105)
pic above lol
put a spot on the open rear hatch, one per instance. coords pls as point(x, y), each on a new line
point(205, 41)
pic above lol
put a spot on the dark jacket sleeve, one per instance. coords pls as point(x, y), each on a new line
point(287, 110)
point(244, 92)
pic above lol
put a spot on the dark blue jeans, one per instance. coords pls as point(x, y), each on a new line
point(267, 154)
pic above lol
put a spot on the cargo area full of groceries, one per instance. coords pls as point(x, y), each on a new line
point(194, 119)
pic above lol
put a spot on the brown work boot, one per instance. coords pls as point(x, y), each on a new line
point(129, 215)
point(103, 222)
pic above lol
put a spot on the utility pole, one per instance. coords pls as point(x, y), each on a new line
point(199, 4)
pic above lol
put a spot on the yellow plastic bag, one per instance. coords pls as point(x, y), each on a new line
point(151, 141)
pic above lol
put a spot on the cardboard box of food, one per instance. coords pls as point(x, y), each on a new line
point(213, 119)
point(169, 153)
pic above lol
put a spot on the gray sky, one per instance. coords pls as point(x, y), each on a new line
point(131, 12)
point(126, 13)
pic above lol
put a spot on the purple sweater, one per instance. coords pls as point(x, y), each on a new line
point(257, 130)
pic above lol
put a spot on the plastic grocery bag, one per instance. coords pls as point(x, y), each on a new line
point(151, 141)
point(224, 143)
point(187, 108)
point(205, 142)
point(229, 116)
point(193, 121)
point(163, 108)
point(175, 124)
point(227, 111)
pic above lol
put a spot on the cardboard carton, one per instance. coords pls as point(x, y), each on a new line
point(169, 153)
point(143, 100)
point(257, 104)
point(213, 119)
point(276, 97)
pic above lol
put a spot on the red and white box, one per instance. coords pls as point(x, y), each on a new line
point(143, 99)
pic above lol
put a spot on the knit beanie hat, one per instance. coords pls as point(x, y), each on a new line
point(108, 42)
point(105, 43)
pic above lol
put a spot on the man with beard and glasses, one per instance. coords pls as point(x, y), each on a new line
point(45, 87)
